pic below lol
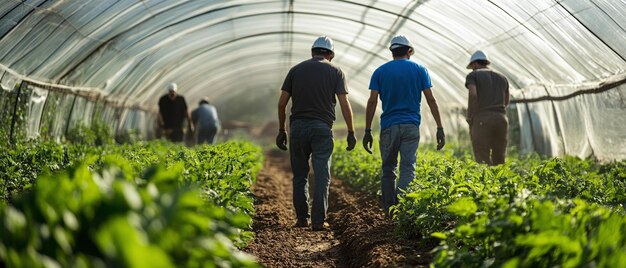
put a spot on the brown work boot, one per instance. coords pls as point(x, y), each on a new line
point(320, 227)
point(301, 223)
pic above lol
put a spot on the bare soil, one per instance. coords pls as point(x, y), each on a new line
point(360, 236)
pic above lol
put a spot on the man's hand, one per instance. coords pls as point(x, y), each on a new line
point(281, 140)
point(351, 141)
point(368, 140)
point(441, 138)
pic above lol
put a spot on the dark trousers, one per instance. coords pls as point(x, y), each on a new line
point(206, 135)
point(310, 139)
point(174, 134)
point(489, 137)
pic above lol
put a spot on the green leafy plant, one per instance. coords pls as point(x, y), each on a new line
point(136, 205)
point(529, 212)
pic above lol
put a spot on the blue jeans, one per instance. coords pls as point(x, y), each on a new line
point(310, 138)
point(206, 134)
point(403, 139)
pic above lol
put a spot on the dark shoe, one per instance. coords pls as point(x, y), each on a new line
point(321, 227)
point(301, 223)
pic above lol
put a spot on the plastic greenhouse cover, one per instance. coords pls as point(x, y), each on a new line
point(127, 51)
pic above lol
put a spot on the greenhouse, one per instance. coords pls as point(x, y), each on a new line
point(88, 180)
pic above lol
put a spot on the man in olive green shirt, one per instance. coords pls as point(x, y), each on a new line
point(486, 111)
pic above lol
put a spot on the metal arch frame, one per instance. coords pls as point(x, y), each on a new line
point(289, 13)
point(404, 17)
point(408, 18)
point(572, 15)
point(261, 14)
point(284, 32)
point(271, 13)
point(24, 17)
point(593, 33)
point(104, 43)
point(61, 45)
point(204, 50)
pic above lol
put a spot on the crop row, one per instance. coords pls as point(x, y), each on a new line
point(529, 212)
point(143, 205)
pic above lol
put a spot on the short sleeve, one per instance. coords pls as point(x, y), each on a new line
point(470, 79)
point(161, 105)
point(342, 87)
point(184, 103)
point(375, 81)
point(288, 84)
point(426, 82)
point(506, 81)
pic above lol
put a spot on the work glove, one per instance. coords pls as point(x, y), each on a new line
point(368, 140)
point(441, 138)
point(351, 141)
point(281, 140)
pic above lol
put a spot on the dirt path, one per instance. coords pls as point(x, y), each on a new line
point(360, 235)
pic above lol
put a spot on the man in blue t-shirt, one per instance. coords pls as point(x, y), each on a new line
point(400, 84)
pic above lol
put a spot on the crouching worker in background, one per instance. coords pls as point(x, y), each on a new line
point(206, 121)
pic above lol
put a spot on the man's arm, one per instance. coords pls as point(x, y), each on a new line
point(194, 116)
point(160, 114)
point(370, 109)
point(192, 126)
point(506, 99)
point(434, 108)
point(472, 104)
point(161, 122)
point(282, 106)
point(346, 110)
point(507, 94)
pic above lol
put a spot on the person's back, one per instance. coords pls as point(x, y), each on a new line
point(491, 88)
point(313, 84)
point(205, 115)
point(400, 84)
point(206, 121)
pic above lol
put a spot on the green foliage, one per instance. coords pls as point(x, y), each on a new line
point(529, 212)
point(23, 162)
point(98, 134)
point(129, 136)
point(142, 205)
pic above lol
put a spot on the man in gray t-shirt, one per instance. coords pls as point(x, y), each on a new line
point(206, 121)
point(313, 85)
